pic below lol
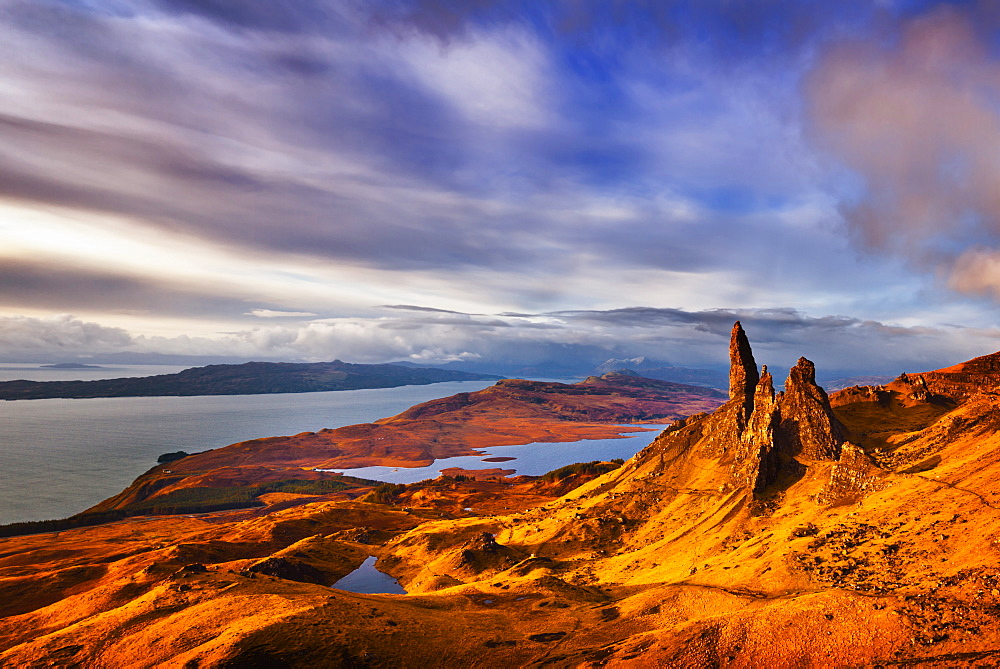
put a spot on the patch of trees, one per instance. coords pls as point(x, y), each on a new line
point(595, 468)
point(386, 493)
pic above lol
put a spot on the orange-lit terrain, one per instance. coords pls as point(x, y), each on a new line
point(788, 529)
point(510, 412)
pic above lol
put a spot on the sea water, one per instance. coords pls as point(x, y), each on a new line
point(61, 456)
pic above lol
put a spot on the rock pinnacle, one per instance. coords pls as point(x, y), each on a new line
point(743, 375)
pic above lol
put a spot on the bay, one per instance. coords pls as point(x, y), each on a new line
point(61, 456)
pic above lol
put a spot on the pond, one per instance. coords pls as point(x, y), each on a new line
point(366, 579)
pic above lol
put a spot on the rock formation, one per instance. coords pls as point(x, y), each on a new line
point(483, 553)
point(764, 430)
point(851, 477)
point(750, 537)
point(757, 464)
point(808, 426)
point(743, 376)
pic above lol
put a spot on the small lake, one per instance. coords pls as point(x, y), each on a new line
point(532, 459)
point(368, 580)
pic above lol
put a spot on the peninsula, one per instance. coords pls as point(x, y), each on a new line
point(250, 378)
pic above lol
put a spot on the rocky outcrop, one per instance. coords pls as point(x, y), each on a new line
point(764, 430)
point(726, 427)
point(757, 464)
point(808, 427)
point(288, 569)
point(851, 477)
point(913, 387)
point(483, 553)
point(874, 394)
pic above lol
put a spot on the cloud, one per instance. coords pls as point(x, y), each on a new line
point(390, 151)
point(272, 313)
point(575, 341)
point(496, 79)
point(61, 334)
point(414, 307)
point(27, 284)
point(917, 118)
point(518, 172)
point(977, 271)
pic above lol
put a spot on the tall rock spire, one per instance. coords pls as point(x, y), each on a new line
point(808, 426)
point(743, 375)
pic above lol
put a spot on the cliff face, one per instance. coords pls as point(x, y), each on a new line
point(710, 474)
point(743, 375)
point(757, 459)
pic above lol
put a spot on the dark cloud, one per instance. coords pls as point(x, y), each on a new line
point(418, 180)
point(293, 17)
point(60, 335)
point(25, 284)
point(414, 307)
point(570, 342)
point(733, 29)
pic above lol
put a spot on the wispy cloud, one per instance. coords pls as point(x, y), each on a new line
point(272, 313)
point(231, 167)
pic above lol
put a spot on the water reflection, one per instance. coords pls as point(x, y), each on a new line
point(367, 579)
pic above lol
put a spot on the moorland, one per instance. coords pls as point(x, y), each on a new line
point(791, 528)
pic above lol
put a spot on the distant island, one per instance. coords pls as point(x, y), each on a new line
point(71, 365)
point(251, 378)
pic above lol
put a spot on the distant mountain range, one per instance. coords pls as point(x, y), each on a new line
point(581, 367)
point(251, 378)
point(664, 371)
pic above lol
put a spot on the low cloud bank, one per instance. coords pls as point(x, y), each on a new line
point(568, 340)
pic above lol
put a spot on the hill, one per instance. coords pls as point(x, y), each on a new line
point(251, 378)
point(664, 371)
point(782, 529)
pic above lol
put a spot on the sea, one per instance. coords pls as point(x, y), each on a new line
point(61, 456)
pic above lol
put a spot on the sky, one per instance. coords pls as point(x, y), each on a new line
point(486, 180)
